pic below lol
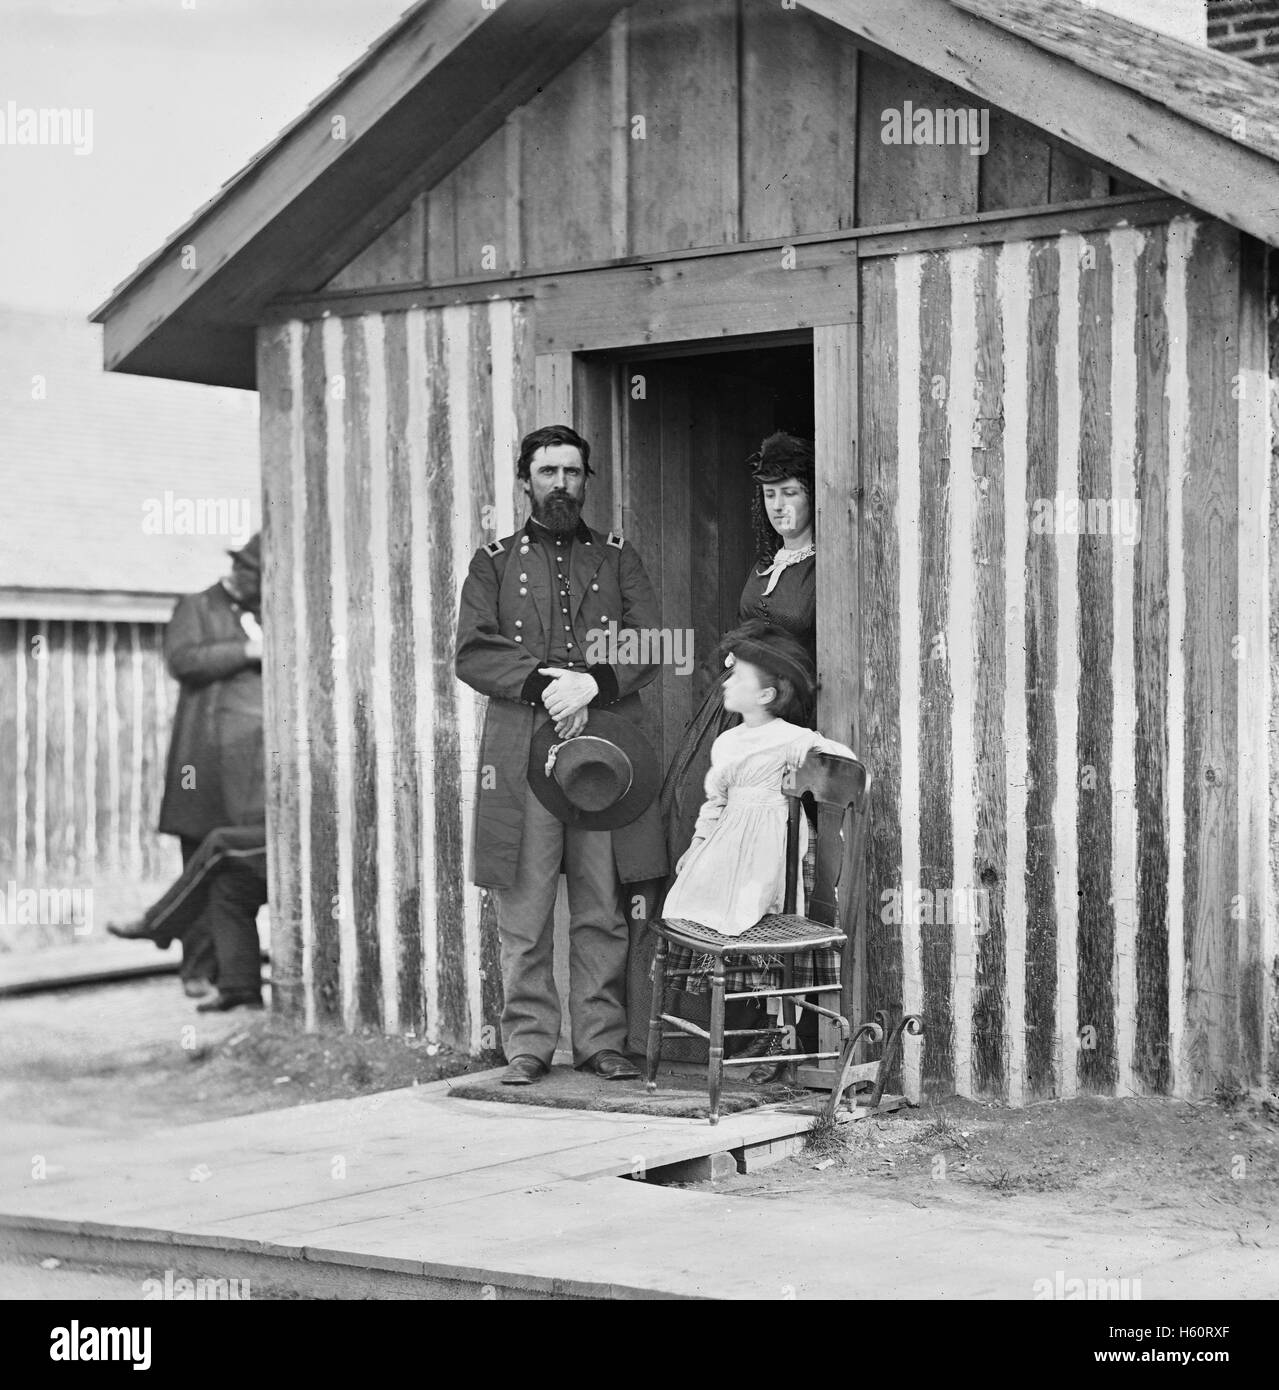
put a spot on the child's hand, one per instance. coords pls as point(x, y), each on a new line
point(684, 858)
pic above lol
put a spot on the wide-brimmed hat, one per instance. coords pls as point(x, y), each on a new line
point(250, 553)
point(603, 779)
point(773, 650)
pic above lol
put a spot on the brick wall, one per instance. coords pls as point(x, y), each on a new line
point(1247, 29)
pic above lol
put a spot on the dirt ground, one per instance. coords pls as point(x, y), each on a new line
point(1212, 1163)
point(136, 1056)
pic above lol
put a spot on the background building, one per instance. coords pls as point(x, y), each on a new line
point(99, 480)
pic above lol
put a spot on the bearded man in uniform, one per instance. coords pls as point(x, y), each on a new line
point(529, 604)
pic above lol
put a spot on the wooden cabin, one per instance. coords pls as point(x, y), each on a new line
point(1009, 260)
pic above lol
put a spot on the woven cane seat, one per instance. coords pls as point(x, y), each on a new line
point(778, 931)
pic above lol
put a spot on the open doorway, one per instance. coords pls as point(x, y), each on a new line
point(687, 425)
point(672, 429)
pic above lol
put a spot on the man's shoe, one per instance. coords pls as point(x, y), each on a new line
point(612, 1066)
point(198, 988)
point(524, 1070)
point(131, 931)
point(221, 1002)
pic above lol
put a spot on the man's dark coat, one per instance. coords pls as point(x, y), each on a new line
point(216, 745)
point(503, 636)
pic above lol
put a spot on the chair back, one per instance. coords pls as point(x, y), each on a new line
point(837, 786)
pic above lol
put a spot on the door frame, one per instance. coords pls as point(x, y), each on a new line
point(584, 390)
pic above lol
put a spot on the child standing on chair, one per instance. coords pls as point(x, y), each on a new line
point(734, 871)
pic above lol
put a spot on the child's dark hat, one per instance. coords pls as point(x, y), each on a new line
point(603, 779)
point(774, 650)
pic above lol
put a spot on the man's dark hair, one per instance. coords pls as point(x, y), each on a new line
point(548, 435)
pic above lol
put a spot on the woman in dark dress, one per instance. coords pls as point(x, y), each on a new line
point(781, 589)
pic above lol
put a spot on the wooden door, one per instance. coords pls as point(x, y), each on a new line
point(687, 431)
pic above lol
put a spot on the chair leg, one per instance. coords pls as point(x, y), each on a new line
point(788, 1015)
point(715, 1067)
point(654, 1053)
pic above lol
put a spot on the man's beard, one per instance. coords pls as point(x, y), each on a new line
point(559, 513)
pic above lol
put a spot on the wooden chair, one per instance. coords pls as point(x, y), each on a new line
point(839, 787)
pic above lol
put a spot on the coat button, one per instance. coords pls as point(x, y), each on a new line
point(570, 646)
point(523, 592)
point(567, 628)
point(519, 639)
point(524, 579)
point(519, 622)
point(563, 610)
point(596, 588)
point(603, 617)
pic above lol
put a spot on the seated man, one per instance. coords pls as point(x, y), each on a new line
point(220, 890)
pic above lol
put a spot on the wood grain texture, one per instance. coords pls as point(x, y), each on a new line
point(486, 946)
point(907, 182)
point(988, 1017)
point(682, 66)
point(1255, 753)
point(479, 187)
point(1211, 1046)
point(1013, 288)
point(397, 256)
point(280, 630)
point(837, 519)
point(642, 513)
point(411, 1003)
point(1014, 170)
point(798, 95)
point(566, 165)
point(1214, 92)
point(593, 415)
point(1125, 248)
point(359, 674)
point(1270, 941)
point(1151, 642)
point(1097, 553)
point(1041, 684)
point(12, 700)
point(445, 754)
point(326, 989)
point(441, 230)
point(677, 408)
point(936, 697)
point(909, 543)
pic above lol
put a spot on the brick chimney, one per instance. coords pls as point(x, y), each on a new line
point(1247, 29)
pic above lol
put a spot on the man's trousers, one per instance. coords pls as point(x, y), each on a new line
point(199, 958)
point(598, 941)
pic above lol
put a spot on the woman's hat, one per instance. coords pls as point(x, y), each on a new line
point(774, 650)
point(783, 456)
point(603, 779)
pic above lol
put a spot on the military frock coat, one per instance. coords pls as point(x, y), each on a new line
point(503, 636)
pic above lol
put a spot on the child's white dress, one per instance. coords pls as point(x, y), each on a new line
point(737, 873)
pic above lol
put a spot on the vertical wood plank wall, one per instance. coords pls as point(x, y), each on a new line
point(85, 712)
point(572, 178)
point(1069, 744)
point(389, 445)
point(1071, 751)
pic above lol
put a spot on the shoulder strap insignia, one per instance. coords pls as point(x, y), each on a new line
point(494, 548)
point(616, 539)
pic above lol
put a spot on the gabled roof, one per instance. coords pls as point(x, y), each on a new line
point(85, 452)
point(1195, 123)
